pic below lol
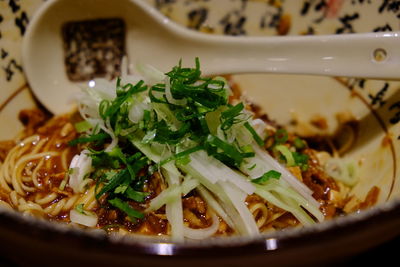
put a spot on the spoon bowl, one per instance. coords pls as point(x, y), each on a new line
point(153, 39)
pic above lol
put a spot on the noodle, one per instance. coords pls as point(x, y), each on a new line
point(260, 212)
point(29, 174)
point(39, 174)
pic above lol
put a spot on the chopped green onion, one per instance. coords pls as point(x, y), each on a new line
point(144, 124)
point(125, 207)
point(92, 138)
point(266, 176)
point(255, 135)
point(252, 167)
point(110, 109)
point(115, 181)
point(82, 126)
point(229, 150)
point(287, 154)
point(233, 111)
point(121, 189)
point(301, 160)
point(164, 135)
point(228, 117)
point(135, 195)
point(248, 151)
point(108, 227)
point(281, 136)
point(181, 155)
point(298, 143)
point(79, 208)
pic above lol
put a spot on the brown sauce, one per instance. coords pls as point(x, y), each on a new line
point(370, 200)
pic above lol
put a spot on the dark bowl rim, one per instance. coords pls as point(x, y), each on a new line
point(352, 224)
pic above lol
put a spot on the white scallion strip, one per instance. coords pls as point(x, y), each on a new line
point(297, 211)
point(189, 184)
point(114, 138)
point(196, 164)
point(303, 217)
point(202, 233)
point(215, 171)
point(150, 74)
point(341, 171)
point(174, 212)
point(102, 89)
point(164, 197)
point(89, 220)
point(238, 198)
point(284, 190)
point(173, 208)
point(147, 150)
point(173, 173)
point(223, 199)
point(80, 166)
point(301, 188)
point(259, 126)
point(208, 197)
point(136, 111)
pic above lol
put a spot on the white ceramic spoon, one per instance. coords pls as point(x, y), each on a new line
point(153, 39)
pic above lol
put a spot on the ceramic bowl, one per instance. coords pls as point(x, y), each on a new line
point(294, 101)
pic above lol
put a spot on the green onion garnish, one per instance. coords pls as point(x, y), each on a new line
point(82, 126)
point(228, 150)
point(135, 195)
point(115, 181)
point(255, 135)
point(228, 116)
point(298, 143)
point(79, 208)
point(125, 207)
point(181, 155)
point(92, 138)
point(281, 136)
point(301, 160)
point(266, 176)
point(287, 154)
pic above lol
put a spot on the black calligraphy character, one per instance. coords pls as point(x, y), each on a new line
point(13, 5)
point(378, 98)
point(22, 22)
point(396, 118)
point(11, 67)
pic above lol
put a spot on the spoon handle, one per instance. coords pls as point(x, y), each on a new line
point(367, 55)
point(361, 55)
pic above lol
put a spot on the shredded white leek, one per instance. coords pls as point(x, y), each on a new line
point(79, 167)
point(189, 184)
point(213, 203)
point(166, 196)
point(173, 208)
point(341, 171)
point(87, 219)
